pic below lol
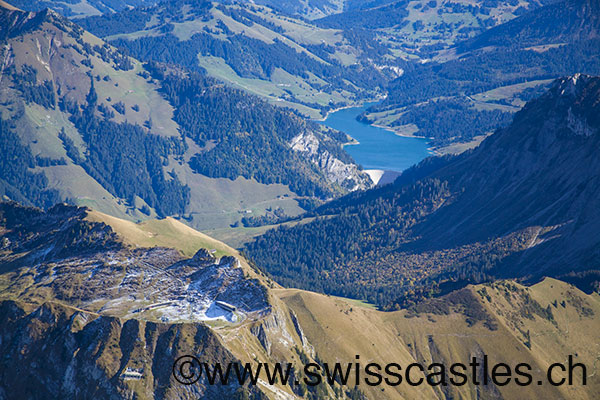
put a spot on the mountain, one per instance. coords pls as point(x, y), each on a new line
point(287, 61)
point(112, 305)
point(475, 86)
point(310, 9)
point(313, 9)
point(524, 204)
point(491, 254)
point(79, 8)
point(420, 28)
point(83, 122)
point(107, 332)
point(560, 22)
point(90, 265)
point(268, 49)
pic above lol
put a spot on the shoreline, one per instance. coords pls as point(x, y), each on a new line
point(357, 105)
point(327, 113)
point(386, 128)
point(395, 132)
point(432, 150)
point(354, 142)
point(454, 148)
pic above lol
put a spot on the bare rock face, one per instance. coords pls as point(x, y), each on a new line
point(84, 264)
point(273, 329)
point(346, 175)
point(109, 319)
point(524, 204)
point(92, 356)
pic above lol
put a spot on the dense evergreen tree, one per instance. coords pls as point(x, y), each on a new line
point(136, 169)
point(251, 138)
point(17, 181)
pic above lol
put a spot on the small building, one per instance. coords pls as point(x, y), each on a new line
point(225, 306)
point(133, 373)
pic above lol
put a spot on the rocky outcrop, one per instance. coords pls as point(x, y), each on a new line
point(346, 175)
point(91, 356)
point(306, 346)
point(80, 262)
point(273, 329)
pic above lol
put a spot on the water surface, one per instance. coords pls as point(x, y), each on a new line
point(378, 148)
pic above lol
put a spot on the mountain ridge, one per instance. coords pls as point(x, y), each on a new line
point(540, 27)
point(467, 218)
point(287, 61)
point(68, 97)
point(117, 353)
point(476, 85)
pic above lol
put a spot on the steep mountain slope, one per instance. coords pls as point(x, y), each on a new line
point(96, 346)
point(314, 9)
point(508, 322)
point(82, 8)
point(311, 66)
point(559, 23)
point(285, 60)
point(420, 28)
point(87, 355)
point(474, 87)
point(523, 204)
point(75, 110)
point(79, 8)
point(310, 9)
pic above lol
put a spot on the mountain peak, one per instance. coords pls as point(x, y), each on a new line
point(572, 82)
point(15, 22)
point(7, 6)
point(575, 99)
point(574, 85)
point(570, 108)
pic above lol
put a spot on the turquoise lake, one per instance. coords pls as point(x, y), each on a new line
point(378, 148)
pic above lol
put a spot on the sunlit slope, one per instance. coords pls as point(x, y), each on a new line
point(79, 8)
point(171, 233)
point(89, 125)
point(509, 322)
point(506, 321)
point(166, 232)
point(68, 273)
point(47, 60)
point(286, 60)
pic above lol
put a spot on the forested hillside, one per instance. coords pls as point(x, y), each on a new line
point(243, 136)
point(287, 61)
point(523, 204)
point(79, 8)
point(18, 181)
point(83, 122)
point(345, 58)
point(309, 9)
point(420, 28)
point(483, 80)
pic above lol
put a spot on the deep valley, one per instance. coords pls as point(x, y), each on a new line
point(364, 195)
